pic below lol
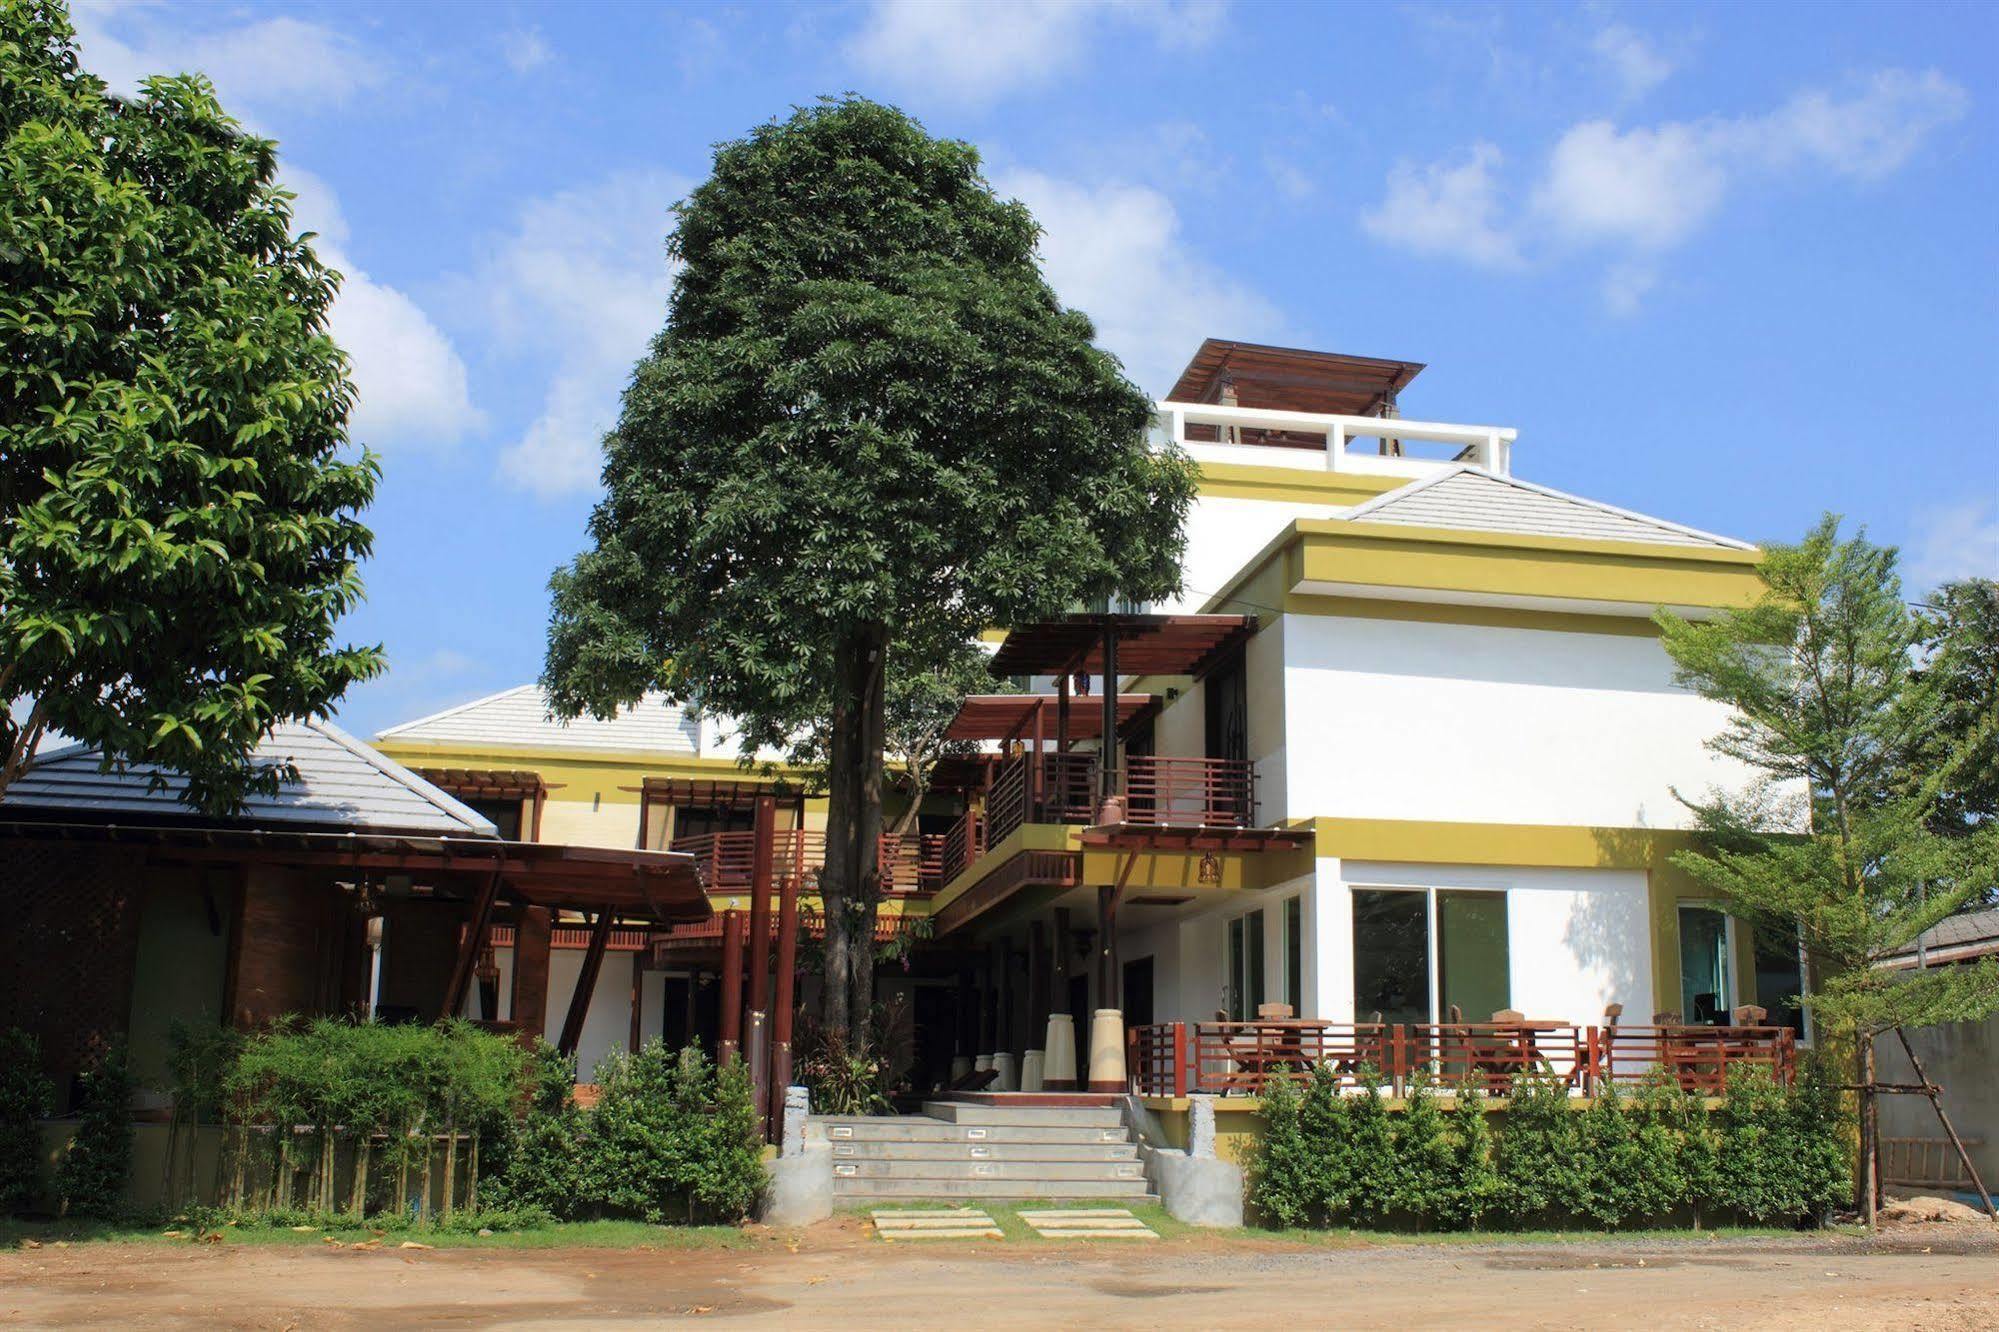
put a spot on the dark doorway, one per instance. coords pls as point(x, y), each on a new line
point(1138, 993)
point(1226, 700)
point(676, 1027)
point(936, 1017)
point(1079, 1009)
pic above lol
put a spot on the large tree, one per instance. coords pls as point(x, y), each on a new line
point(1957, 696)
point(177, 529)
point(868, 419)
point(1839, 844)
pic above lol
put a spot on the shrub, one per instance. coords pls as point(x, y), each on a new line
point(90, 1178)
point(25, 1098)
point(1283, 1181)
point(542, 1164)
point(1323, 1120)
point(1470, 1187)
point(669, 1138)
point(1370, 1166)
point(1421, 1159)
point(1537, 1154)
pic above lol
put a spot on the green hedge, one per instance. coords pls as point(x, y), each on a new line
point(1768, 1155)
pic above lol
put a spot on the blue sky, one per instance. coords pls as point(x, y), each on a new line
point(1733, 265)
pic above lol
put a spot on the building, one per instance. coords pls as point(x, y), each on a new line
point(1403, 754)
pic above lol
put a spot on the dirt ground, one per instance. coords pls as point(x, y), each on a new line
point(1937, 1276)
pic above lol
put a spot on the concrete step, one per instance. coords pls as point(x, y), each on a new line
point(1026, 1171)
point(860, 1190)
point(958, 1150)
point(921, 1128)
point(1082, 1116)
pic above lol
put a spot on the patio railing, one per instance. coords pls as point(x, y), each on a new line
point(963, 844)
point(1189, 792)
point(1241, 1058)
point(726, 860)
point(1064, 793)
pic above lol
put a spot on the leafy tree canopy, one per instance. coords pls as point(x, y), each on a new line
point(177, 524)
point(867, 409)
point(1957, 697)
point(1840, 841)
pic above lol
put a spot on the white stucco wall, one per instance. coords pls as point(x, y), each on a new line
point(1223, 533)
point(1451, 722)
point(609, 1024)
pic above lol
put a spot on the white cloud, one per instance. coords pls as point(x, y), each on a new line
point(1952, 542)
point(1635, 193)
point(268, 61)
point(581, 285)
point(975, 51)
point(1114, 251)
point(1448, 208)
point(1635, 65)
point(1647, 187)
point(410, 384)
point(524, 50)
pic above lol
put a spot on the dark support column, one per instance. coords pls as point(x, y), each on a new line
point(586, 982)
point(1039, 786)
point(968, 1014)
point(988, 1010)
point(1002, 999)
point(1107, 764)
point(731, 998)
point(781, 1008)
point(469, 946)
point(1062, 713)
point(638, 1000)
point(1107, 977)
point(530, 1001)
point(762, 857)
point(1037, 984)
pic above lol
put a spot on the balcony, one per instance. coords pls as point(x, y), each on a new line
point(1162, 791)
point(1060, 789)
point(1265, 438)
point(910, 865)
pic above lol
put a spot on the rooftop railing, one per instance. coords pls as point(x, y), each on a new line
point(1264, 437)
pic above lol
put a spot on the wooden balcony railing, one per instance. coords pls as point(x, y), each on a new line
point(965, 843)
point(726, 860)
point(1064, 794)
point(1240, 1058)
point(1189, 792)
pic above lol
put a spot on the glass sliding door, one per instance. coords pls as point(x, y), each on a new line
point(1705, 992)
point(1391, 955)
point(1245, 966)
point(1420, 953)
point(1474, 969)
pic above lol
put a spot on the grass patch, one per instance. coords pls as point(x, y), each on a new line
point(559, 1235)
point(1659, 1235)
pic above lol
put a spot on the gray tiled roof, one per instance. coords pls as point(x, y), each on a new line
point(1968, 934)
point(518, 719)
point(342, 786)
point(1473, 499)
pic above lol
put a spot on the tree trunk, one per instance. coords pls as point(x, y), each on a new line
point(1870, 1139)
point(867, 836)
point(840, 876)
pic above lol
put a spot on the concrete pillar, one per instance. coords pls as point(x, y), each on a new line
point(1058, 1069)
point(1107, 1071)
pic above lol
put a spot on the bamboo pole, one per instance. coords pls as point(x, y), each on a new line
point(450, 1160)
point(363, 1148)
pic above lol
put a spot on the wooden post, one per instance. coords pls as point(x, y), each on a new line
point(1039, 786)
point(530, 996)
point(1183, 1080)
point(1107, 748)
point(1002, 1000)
point(586, 982)
point(468, 947)
point(781, 1009)
point(762, 858)
point(731, 997)
point(1062, 713)
point(1870, 1137)
point(638, 1001)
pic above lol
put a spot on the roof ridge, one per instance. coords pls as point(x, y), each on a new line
point(416, 784)
point(1390, 498)
point(455, 709)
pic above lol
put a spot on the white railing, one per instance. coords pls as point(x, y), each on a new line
point(1490, 447)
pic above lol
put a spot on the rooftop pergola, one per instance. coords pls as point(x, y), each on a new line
point(1292, 380)
point(1007, 717)
point(1139, 644)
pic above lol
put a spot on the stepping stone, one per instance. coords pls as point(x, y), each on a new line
point(940, 1223)
point(1088, 1223)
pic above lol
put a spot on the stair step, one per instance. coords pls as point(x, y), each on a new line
point(857, 1189)
point(1028, 1171)
point(960, 1150)
point(918, 1128)
point(1081, 1116)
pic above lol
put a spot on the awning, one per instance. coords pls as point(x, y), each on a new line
point(1011, 716)
point(485, 783)
point(712, 793)
point(1292, 380)
point(1146, 644)
point(656, 887)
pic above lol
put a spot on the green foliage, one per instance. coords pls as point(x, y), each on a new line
point(1956, 696)
point(1768, 1155)
point(177, 529)
point(90, 1178)
point(1858, 749)
point(1467, 1186)
point(868, 420)
point(26, 1097)
point(853, 1072)
point(542, 1167)
point(669, 1139)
